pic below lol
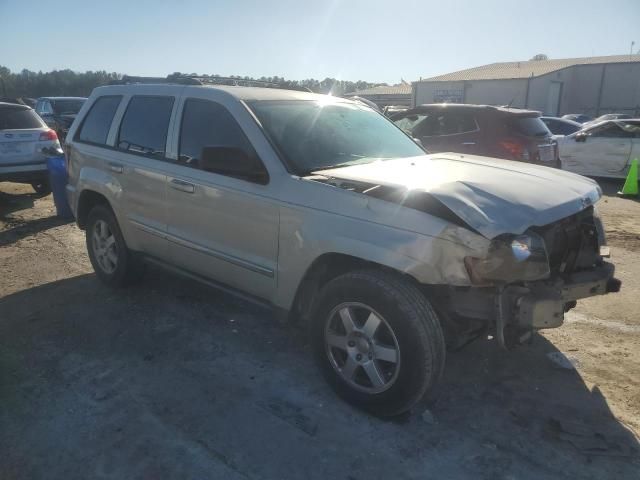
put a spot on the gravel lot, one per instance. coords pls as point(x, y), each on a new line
point(171, 379)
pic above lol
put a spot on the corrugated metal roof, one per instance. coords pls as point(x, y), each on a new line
point(535, 68)
point(403, 89)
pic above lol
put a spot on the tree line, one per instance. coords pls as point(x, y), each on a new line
point(69, 83)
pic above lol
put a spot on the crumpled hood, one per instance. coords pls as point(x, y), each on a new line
point(492, 196)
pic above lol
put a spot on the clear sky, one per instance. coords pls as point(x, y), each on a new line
point(374, 40)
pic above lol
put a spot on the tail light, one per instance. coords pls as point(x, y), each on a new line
point(49, 135)
point(515, 149)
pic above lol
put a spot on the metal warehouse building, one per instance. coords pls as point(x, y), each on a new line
point(386, 95)
point(592, 85)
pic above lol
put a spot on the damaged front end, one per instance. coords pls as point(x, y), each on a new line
point(535, 243)
point(528, 282)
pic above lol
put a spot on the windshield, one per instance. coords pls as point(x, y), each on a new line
point(61, 107)
point(319, 135)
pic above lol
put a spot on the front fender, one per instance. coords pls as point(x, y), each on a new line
point(307, 235)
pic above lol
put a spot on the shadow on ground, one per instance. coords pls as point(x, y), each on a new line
point(13, 202)
point(20, 230)
point(170, 379)
point(611, 187)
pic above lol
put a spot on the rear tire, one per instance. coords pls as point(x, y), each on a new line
point(41, 188)
point(388, 314)
point(114, 264)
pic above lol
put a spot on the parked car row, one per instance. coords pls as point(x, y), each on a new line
point(603, 147)
point(499, 132)
point(59, 112)
point(28, 137)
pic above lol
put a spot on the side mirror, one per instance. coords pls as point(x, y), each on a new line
point(581, 137)
point(233, 162)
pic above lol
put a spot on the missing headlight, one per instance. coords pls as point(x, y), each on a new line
point(510, 258)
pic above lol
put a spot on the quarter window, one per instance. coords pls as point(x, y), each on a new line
point(207, 124)
point(97, 123)
point(145, 124)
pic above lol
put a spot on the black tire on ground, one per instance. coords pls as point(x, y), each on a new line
point(42, 187)
point(128, 267)
point(410, 317)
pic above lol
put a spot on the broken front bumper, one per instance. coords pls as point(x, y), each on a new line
point(538, 305)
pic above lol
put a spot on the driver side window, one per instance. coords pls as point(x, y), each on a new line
point(206, 124)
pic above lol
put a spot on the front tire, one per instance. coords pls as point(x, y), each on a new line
point(112, 261)
point(378, 341)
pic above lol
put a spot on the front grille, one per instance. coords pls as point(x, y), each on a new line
point(572, 243)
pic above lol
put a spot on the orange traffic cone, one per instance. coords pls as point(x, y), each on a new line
point(631, 183)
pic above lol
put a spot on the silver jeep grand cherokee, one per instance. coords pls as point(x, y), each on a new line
point(323, 209)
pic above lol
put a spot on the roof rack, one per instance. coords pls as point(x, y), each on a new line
point(200, 80)
point(241, 82)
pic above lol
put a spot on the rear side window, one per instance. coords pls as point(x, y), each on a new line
point(144, 126)
point(529, 126)
point(97, 123)
point(207, 124)
point(19, 118)
point(436, 124)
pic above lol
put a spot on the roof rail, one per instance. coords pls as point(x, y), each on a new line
point(200, 80)
point(242, 82)
point(128, 79)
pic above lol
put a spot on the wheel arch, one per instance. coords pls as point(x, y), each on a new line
point(325, 268)
point(86, 201)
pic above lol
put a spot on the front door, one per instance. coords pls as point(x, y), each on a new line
point(220, 227)
point(603, 152)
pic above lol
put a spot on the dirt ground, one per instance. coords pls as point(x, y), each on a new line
point(170, 379)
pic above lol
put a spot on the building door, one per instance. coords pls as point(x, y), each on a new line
point(553, 99)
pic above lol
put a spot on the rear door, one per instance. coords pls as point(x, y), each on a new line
point(121, 145)
point(221, 227)
point(139, 161)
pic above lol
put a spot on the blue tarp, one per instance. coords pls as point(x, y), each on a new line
point(58, 180)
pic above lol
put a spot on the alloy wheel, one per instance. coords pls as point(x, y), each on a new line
point(362, 347)
point(104, 247)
